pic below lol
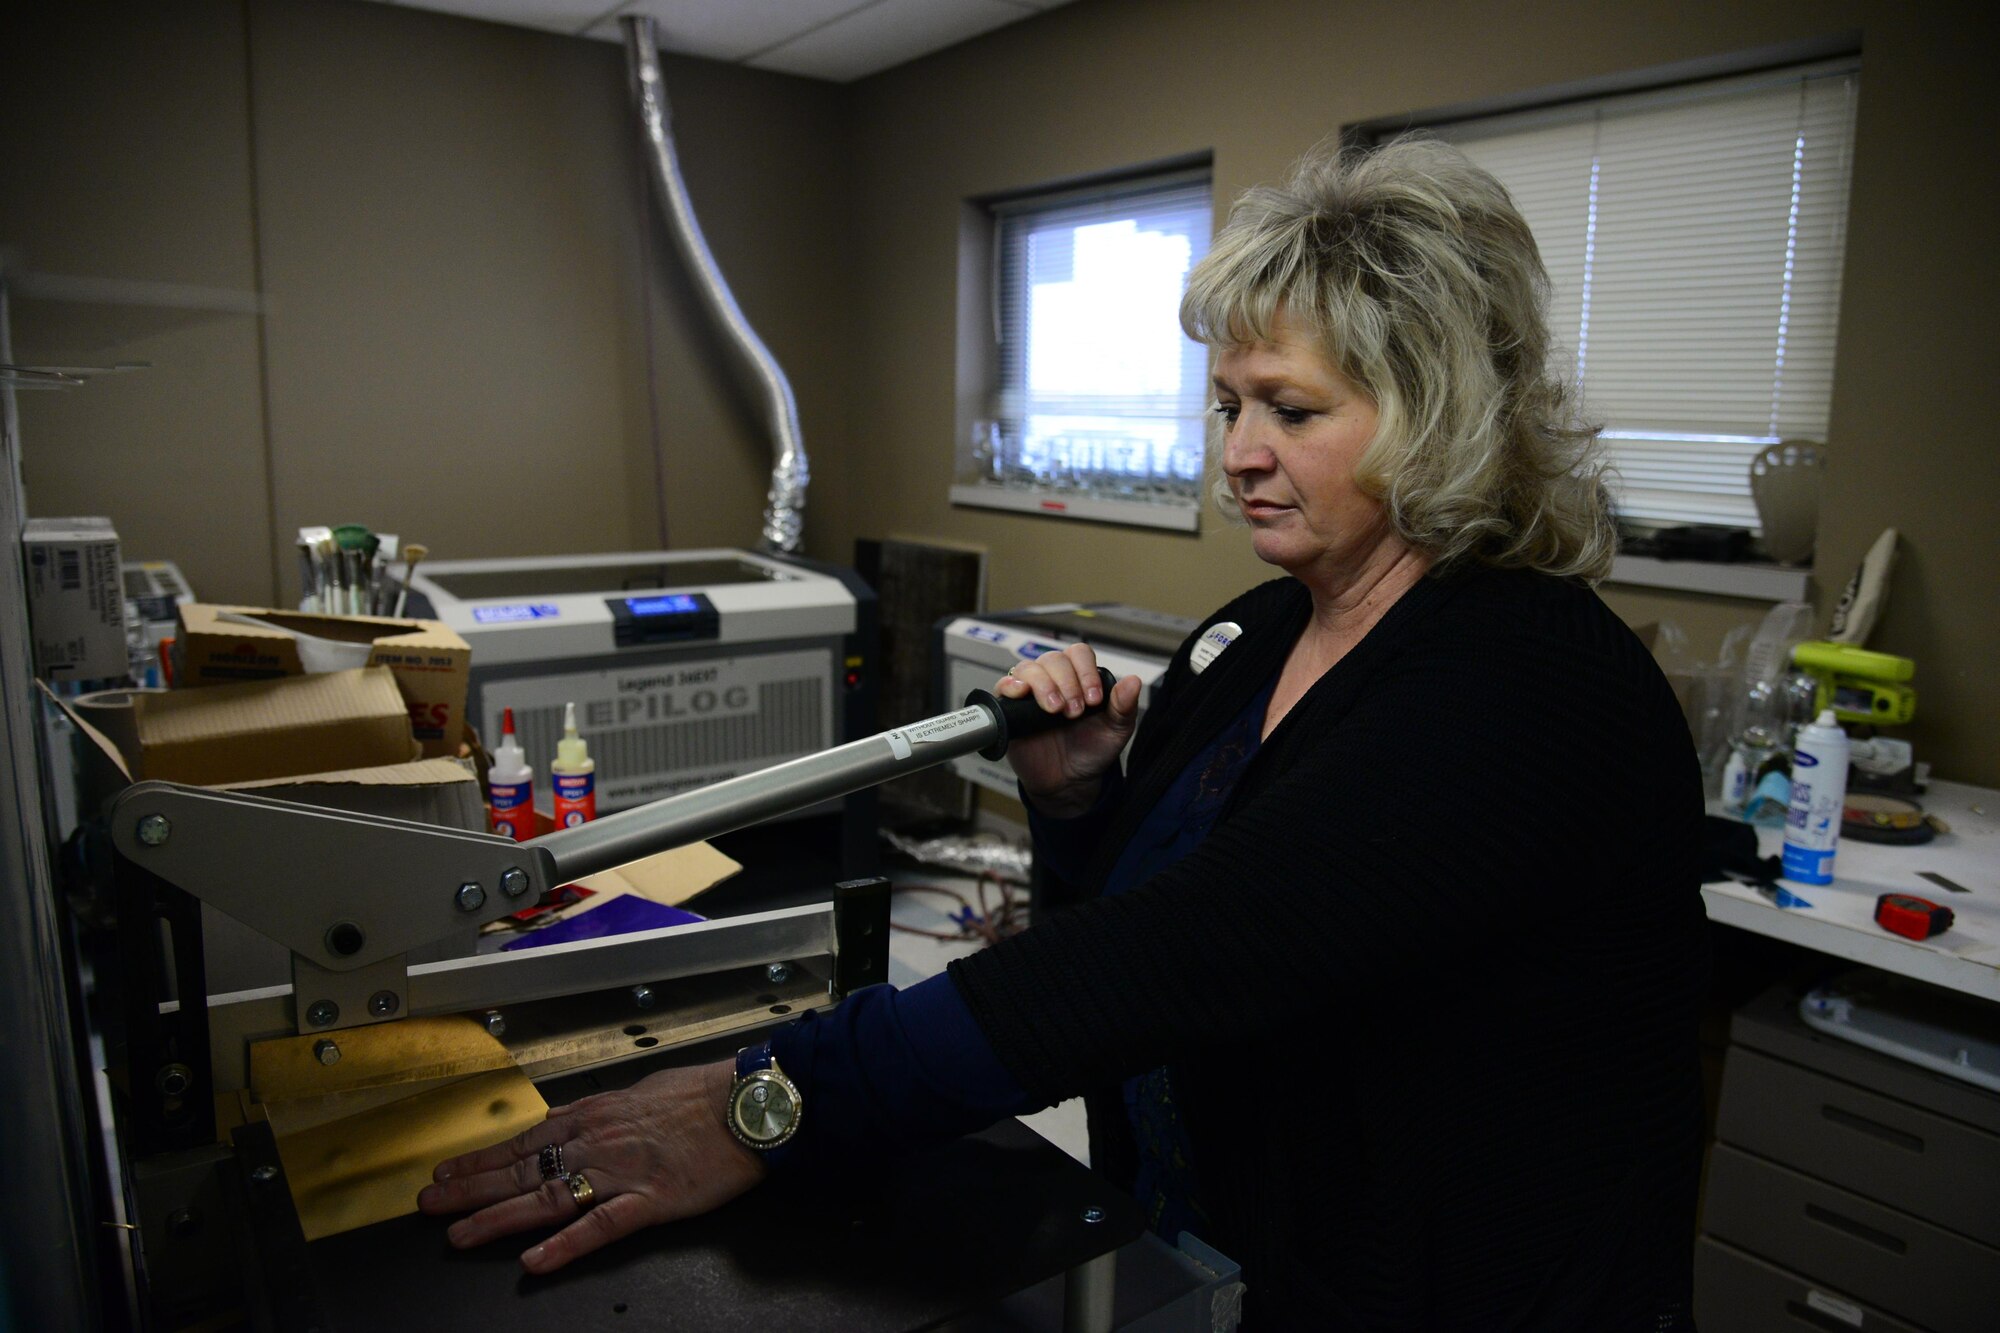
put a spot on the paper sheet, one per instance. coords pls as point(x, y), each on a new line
point(359, 1138)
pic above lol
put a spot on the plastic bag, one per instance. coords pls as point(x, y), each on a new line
point(1743, 686)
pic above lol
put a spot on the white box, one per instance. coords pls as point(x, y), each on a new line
point(972, 652)
point(76, 599)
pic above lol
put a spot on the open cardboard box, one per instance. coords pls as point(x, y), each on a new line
point(218, 645)
point(271, 728)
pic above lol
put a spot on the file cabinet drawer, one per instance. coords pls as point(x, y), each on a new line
point(1896, 1262)
point(1924, 1164)
point(1736, 1292)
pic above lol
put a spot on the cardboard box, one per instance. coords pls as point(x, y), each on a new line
point(220, 644)
point(273, 728)
point(430, 791)
point(76, 599)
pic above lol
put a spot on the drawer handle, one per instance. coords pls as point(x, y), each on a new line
point(1872, 1128)
point(1811, 1318)
point(1859, 1230)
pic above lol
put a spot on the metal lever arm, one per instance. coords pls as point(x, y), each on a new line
point(985, 725)
point(343, 891)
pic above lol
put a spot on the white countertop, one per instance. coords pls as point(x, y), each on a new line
point(1841, 920)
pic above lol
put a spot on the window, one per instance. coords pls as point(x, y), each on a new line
point(1693, 236)
point(1094, 399)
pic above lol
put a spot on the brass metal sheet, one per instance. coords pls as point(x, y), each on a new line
point(359, 1137)
point(366, 1168)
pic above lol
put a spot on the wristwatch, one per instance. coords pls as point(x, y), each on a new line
point(764, 1105)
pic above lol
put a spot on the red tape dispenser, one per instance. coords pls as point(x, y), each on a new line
point(1911, 917)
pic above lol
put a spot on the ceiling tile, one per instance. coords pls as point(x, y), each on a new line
point(725, 29)
point(886, 33)
point(565, 16)
point(840, 40)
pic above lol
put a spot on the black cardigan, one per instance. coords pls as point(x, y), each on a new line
point(1428, 990)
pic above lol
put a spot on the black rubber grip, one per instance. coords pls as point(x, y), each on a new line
point(1025, 716)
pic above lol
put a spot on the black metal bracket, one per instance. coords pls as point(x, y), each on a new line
point(169, 1079)
point(861, 934)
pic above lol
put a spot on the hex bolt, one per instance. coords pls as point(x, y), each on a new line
point(495, 1023)
point(513, 881)
point(1093, 1214)
point(183, 1222)
point(383, 1003)
point(154, 830)
point(471, 897)
point(174, 1079)
point(323, 1013)
point(264, 1174)
point(642, 996)
point(779, 973)
point(326, 1052)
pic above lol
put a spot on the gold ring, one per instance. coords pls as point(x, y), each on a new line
point(580, 1190)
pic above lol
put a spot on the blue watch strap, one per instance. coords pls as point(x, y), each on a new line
point(753, 1058)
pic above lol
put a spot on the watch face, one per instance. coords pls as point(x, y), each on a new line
point(764, 1108)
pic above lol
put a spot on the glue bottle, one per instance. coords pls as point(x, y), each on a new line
point(574, 773)
point(1819, 796)
point(512, 786)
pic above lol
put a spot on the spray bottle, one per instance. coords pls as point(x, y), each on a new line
point(512, 786)
point(574, 773)
point(1819, 798)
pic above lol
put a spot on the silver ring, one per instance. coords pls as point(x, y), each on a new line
point(552, 1163)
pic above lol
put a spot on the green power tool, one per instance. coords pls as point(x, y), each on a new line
point(1859, 685)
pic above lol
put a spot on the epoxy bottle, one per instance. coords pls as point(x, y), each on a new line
point(574, 774)
point(511, 786)
point(1819, 795)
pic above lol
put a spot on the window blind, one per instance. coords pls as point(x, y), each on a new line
point(1694, 239)
point(1100, 393)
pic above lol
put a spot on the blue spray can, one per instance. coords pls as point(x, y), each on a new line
point(1819, 797)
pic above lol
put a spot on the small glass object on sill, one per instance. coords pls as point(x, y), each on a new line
point(1083, 469)
point(982, 461)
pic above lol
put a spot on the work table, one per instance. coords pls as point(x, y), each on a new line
point(1841, 920)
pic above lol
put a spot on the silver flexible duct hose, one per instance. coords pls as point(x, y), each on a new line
point(785, 502)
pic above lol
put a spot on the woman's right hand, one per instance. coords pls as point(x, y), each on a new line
point(1063, 768)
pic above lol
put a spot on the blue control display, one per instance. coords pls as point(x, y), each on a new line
point(672, 604)
point(667, 617)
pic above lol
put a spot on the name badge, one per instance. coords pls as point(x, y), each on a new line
point(1211, 643)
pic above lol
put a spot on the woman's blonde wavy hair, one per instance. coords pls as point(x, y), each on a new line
point(1423, 286)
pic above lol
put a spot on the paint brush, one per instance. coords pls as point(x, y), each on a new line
point(412, 553)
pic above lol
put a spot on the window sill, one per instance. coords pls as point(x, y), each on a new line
point(1755, 582)
point(1095, 509)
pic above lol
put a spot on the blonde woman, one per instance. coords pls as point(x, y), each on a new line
point(1381, 957)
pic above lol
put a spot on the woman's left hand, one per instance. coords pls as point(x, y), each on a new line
point(658, 1151)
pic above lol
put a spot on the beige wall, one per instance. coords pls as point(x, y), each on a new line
point(443, 219)
point(1103, 84)
point(126, 158)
